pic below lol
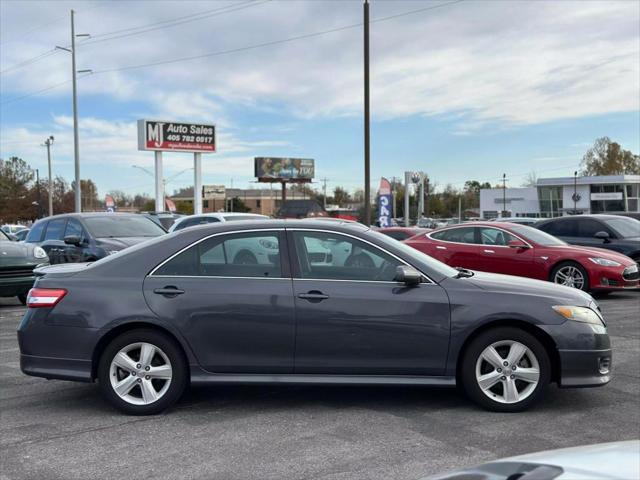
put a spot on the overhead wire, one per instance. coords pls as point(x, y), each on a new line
point(240, 49)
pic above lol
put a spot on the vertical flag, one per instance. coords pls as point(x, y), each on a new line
point(384, 203)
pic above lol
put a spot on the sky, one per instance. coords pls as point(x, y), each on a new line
point(460, 89)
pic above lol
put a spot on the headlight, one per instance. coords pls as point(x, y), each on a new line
point(605, 262)
point(268, 244)
point(39, 252)
point(582, 314)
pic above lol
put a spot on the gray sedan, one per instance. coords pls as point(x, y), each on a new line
point(192, 308)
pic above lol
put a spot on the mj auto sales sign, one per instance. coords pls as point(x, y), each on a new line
point(176, 136)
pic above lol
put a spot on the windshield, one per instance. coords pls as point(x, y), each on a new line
point(122, 226)
point(625, 227)
point(536, 236)
point(419, 259)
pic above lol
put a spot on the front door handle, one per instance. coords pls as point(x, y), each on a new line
point(169, 291)
point(313, 295)
point(440, 248)
point(489, 251)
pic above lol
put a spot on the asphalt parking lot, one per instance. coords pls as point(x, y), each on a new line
point(57, 429)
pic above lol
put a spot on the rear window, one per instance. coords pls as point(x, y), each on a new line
point(35, 234)
point(122, 226)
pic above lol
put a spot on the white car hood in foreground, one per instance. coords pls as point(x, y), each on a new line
point(604, 461)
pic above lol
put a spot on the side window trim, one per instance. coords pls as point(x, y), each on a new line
point(279, 233)
point(294, 264)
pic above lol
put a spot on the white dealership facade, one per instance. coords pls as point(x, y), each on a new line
point(553, 197)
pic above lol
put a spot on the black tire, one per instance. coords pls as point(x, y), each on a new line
point(580, 268)
point(179, 371)
point(23, 298)
point(467, 371)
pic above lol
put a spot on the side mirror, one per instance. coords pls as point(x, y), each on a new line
point(602, 235)
point(73, 240)
point(517, 244)
point(408, 275)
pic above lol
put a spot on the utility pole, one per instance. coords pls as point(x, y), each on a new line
point(76, 146)
point(367, 143)
point(407, 182)
point(324, 192)
point(421, 199)
point(38, 193)
point(47, 143)
point(504, 193)
point(76, 142)
point(393, 195)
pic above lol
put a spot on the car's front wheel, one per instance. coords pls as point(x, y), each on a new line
point(571, 274)
point(142, 372)
point(505, 369)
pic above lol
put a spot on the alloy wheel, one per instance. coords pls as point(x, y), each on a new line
point(140, 373)
point(507, 371)
point(570, 276)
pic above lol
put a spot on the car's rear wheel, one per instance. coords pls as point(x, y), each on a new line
point(571, 274)
point(142, 372)
point(505, 369)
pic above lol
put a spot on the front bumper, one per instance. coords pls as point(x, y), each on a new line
point(585, 368)
point(12, 286)
point(614, 278)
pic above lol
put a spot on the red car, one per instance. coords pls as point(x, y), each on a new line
point(402, 233)
point(527, 252)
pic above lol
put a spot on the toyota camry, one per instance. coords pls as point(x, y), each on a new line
point(194, 308)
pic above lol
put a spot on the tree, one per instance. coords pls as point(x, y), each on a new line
point(609, 158)
point(239, 205)
point(340, 196)
point(475, 186)
point(184, 207)
point(15, 190)
point(531, 180)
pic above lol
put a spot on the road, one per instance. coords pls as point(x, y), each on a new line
point(57, 429)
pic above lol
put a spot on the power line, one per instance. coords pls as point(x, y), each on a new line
point(273, 42)
point(128, 32)
point(28, 61)
point(239, 49)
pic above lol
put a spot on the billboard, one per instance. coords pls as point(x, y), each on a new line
point(213, 192)
point(176, 136)
point(283, 169)
point(384, 203)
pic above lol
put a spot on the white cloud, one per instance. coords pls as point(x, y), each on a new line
point(516, 63)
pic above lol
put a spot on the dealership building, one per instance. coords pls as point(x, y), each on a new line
point(554, 197)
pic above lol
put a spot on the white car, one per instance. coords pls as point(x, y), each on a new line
point(604, 461)
point(12, 229)
point(204, 218)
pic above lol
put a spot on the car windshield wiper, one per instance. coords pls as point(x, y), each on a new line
point(464, 273)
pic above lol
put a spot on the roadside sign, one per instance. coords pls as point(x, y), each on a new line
point(163, 136)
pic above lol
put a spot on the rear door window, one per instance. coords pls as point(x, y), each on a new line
point(458, 235)
point(55, 229)
point(561, 228)
point(254, 254)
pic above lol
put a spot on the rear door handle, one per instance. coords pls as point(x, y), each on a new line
point(313, 295)
point(168, 291)
point(489, 251)
point(441, 248)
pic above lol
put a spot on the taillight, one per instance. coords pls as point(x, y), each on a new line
point(44, 297)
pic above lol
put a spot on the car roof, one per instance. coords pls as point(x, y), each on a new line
point(90, 214)
point(281, 223)
point(597, 216)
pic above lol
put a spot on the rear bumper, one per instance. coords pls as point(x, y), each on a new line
point(585, 368)
point(58, 368)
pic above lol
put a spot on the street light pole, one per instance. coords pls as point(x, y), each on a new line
point(504, 193)
point(47, 143)
point(367, 151)
point(575, 192)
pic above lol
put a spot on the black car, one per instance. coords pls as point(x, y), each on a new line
point(613, 232)
point(17, 261)
point(193, 307)
point(87, 237)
